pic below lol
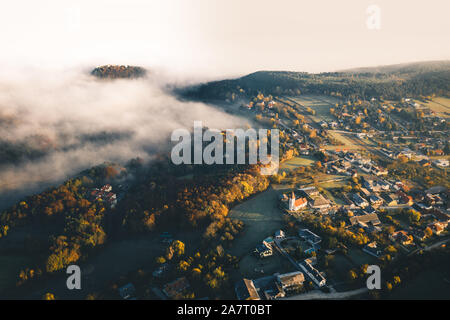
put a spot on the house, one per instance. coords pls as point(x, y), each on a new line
point(310, 250)
point(365, 192)
point(369, 210)
point(424, 163)
point(304, 149)
point(263, 250)
point(312, 261)
point(437, 227)
point(290, 281)
point(268, 241)
point(313, 273)
point(379, 171)
point(383, 185)
point(246, 290)
point(441, 216)
point(419, 235)
point(367, 168)
point(274, 291)
point(106, 188)
point(309, 236)
point(320, 203)
point(365, 220)
point(402, 237)
point(159, 272)
point(375, 200)
point(436, 190)
point(359, 201)
point(315, 199)
point(280, 235)
point(404, 198)
point(127, 292)
point(441, 163)
point(310, 191)
point(104, 194)
point(433, 199)
point(175, 287)
point(372, 249)
point(391, 199)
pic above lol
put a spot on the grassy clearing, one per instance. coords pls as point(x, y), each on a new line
point(359, 257)
point(262, 218)
point(296, 162)
point(321, 104)
point(440, 105)
point(252, 267)
point(346, 142)
point(340, 266)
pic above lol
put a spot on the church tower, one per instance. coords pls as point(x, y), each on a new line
point(292, 202)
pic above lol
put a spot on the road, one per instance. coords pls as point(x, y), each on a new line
point(431, 247)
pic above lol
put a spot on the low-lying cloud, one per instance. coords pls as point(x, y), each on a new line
point(74, 121)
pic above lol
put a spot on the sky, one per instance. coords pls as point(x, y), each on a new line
point(220, 38)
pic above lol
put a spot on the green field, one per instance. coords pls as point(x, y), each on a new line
point(262, 218)
point(321, 104)
point(439, 105)
point(359, 257)
point(345, 141)
point(252, 267)
point(339, 268)
point(294, 163)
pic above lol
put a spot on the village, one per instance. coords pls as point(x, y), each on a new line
point(388, 214)
point(347, 195)
point(341, 203)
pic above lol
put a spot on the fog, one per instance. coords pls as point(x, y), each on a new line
point(81, 121)
point(48, 102)
point(223, 37)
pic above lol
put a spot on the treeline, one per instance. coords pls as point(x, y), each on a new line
point(426, 176)
point(63, 224)
point(35, 147)
point(342, 84)
point(15, 152)
point(206, 270)
point(117, 71)
point(406, 268)
point(200, 202)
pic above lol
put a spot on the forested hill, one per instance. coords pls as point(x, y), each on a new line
point(388, 82)
point(404, 68)
point(118, 71)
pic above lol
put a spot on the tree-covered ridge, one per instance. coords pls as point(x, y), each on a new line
point(203, 202)
point(64, 222)
point(119, 71)
point(395, 83)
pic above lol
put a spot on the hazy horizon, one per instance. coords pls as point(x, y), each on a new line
point(209, 39)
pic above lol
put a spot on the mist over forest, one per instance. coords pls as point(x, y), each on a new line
point(55, 124)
